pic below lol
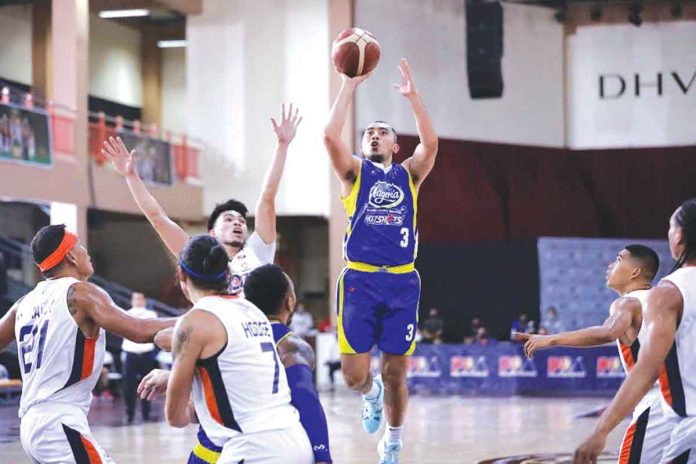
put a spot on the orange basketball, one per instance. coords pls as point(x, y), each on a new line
point(355, 52)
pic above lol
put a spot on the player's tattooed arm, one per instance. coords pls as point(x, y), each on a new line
point(86, 300)
point(293, 350)
point(173, 236)
point(423, 159)
point(190, 336)
point(186, 353)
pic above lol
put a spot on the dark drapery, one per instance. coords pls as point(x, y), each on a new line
point(494, 192)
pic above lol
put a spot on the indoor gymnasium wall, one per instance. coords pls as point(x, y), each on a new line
point(174, 111)
point(232, 92)
point(431, 35)
point(16, 30)
point(632, 86)
point(115, 62)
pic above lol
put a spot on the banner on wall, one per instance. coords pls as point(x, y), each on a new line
point(153, 157)
point(503, 369)
point(632, 86)
point(24, 136)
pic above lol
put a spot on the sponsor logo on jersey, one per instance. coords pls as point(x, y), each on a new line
point(424, 366)
point(385, 195)
point(565, 367)
point(384, 219)
point(236, 283)
point(609, 367)
point(516, 366)
point(468, 366)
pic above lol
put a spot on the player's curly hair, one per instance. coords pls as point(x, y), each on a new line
point(685, 218)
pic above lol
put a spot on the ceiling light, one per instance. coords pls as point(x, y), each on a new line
point(171, 43)
point(111, 14)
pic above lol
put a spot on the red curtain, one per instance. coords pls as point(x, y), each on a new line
point(494, 192)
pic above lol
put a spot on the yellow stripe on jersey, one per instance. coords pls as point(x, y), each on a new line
point(414, 196)
point(205, 454)
point(343, 345)
point(350, 203)
point(283, 338)
point(365, 267)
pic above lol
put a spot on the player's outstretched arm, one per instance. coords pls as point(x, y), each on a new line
point(662, 314)
point(423, 159)
point(173, 236)
point(345, 165)
point(88, 300)
point(7, 327)
point(618, 323)
point(192, 333)
point(163, 339)
point(186, 348)
point(285, 130)
point(299, 359)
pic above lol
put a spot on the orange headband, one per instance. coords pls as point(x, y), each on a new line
point(54, 259)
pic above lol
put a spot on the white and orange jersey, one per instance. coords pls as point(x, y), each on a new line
point(58, 363)
point(255, 253)
point(678, 374)
point(629, 354)
point(243, 388)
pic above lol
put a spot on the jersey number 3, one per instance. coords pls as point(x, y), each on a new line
point(404, 237)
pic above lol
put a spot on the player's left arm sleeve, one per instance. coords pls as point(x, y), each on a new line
point(186, 346)
point(7, 328)
point(264, 251)
point(306, 401)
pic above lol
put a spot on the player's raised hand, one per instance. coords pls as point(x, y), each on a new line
point(287, 128)
point(354, 81)
point(154, 384)
point(407, 87)
point(118, 154)
point(590, 449)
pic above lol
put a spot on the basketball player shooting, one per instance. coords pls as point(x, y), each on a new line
point(379, 290)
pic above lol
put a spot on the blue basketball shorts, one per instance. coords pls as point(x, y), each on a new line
point(377, 308)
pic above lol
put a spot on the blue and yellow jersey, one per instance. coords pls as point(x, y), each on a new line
point(382, 209)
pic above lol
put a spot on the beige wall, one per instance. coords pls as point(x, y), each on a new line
point(243, 59)
point(114, 62)
point(15, 37)
point(432, 36)
point(174, 114)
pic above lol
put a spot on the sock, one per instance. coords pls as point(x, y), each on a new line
point(393, 434)
point(373, 393)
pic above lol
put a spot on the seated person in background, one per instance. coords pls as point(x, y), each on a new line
point(302, 321)
point(432, 327)
point(482, 338)
point(550, 322)
point(523, 325)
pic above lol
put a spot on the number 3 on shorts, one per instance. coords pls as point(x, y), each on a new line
point(409, 335)
point(404, 240)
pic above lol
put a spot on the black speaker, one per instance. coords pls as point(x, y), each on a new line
point(484, 48)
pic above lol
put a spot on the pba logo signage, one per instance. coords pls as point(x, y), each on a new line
point(424, 366)
point(609, 367)
point(468, 366)
point(516, 366)
point(564, 367)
